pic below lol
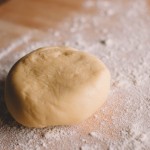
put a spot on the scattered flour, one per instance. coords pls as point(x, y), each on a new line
point(12, 46)
point(119, 35)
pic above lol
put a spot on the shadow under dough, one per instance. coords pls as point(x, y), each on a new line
point(3, 1)
point(5, 117)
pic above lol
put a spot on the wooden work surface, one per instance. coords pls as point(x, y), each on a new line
point(117, 32)
point(38, 14)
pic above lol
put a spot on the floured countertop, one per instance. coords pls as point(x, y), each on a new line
point(116, 31)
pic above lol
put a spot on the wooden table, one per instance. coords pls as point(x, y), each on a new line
point(115, 31)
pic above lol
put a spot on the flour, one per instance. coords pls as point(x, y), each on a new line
point(12, 46)
point(88, 4)
point(119, 35)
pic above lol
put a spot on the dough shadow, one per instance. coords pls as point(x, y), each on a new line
point(3, 1)
point(5, 117)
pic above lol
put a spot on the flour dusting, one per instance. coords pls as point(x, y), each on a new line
point(119, 35)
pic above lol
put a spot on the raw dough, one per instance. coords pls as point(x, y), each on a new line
point(56, 86)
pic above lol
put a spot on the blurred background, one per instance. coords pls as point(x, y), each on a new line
point(118, 33)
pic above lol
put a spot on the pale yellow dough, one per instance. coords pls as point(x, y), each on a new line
point(56, 86)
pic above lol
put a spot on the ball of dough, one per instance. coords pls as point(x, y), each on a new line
point(56, 86)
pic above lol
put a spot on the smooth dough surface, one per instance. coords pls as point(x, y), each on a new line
point(56, 86)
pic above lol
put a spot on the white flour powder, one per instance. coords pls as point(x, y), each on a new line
point(116, 32)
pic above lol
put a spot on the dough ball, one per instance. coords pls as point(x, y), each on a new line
point(56, 86)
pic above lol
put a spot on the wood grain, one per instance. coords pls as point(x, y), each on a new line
point(117, 32)
point(37, 13)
